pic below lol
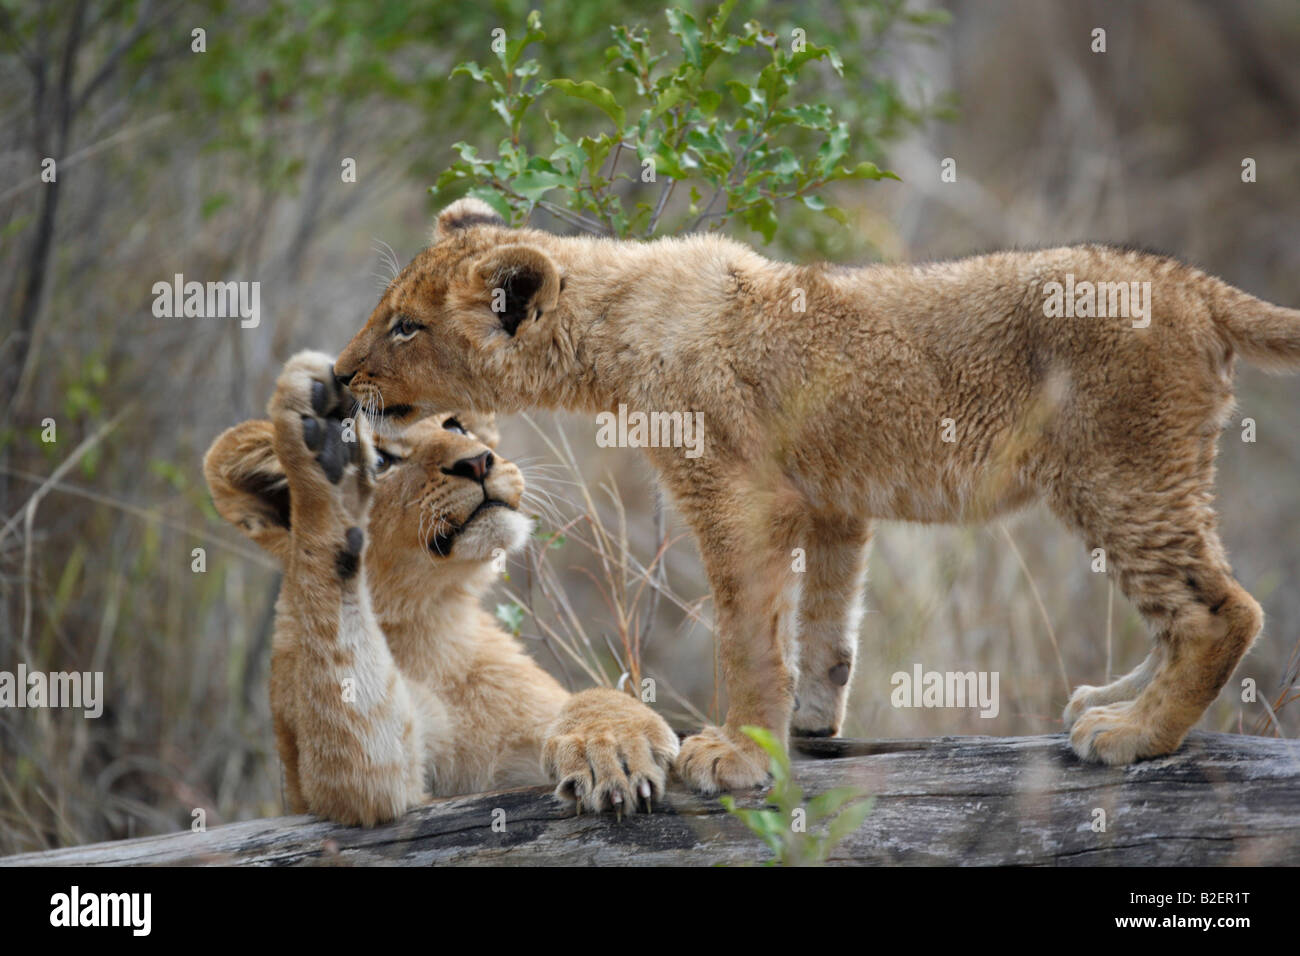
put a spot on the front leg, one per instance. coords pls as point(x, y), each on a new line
point(830, 612)
point(349, 732)
point(608, 751)
point(745, 541)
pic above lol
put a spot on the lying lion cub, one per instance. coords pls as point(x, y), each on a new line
point(388, 680)
point(832, 396)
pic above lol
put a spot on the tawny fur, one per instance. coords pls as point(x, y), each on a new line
point(389, 681)
point(821, 420)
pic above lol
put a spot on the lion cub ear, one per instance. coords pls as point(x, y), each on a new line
point(464, 214)
point(248, 485)
point(519, 282)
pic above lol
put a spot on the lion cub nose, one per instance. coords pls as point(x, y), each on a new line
point(475, 469)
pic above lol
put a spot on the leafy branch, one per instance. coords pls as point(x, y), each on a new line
point(700, 116)
point(786, 826)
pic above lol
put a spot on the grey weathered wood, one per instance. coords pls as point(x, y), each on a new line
point(1221, 799)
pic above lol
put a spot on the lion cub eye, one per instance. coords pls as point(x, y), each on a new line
point(384, 461)
point(405, 328)
point(454, 426)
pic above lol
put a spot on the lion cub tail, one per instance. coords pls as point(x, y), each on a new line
point(1265, 334)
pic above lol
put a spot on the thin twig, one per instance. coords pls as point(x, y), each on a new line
point(659, 207)
point(29, 512)
point(1042, 608)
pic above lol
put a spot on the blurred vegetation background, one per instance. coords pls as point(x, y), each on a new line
point(225, 165)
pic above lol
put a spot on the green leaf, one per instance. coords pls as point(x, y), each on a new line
point(470, 68)
point(719, 18)
point(495, 200)
point(668, 163)
point(827, 803)
point(683, 26)
point(761, 217)
point(569, 156)
point(533, 184)
point(597, 150)
point(512, 616)
point(550, 539)
point(819, 204)
point(863, 170)
point(773, 83)
point(670, 97)
point(708, 102)
point(532, 33)
point(502, 109)
point(817, 116)
point(213, 203)
point(848, 821)
point(473, 70)
point(833, 150)
point(740, 92)
point(707, 141)
point(811, 52)
point(589, 91)
point(787, 165)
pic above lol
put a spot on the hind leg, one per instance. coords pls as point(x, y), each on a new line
point(1202, 645)
point(1159, 533)
point(1175, 571)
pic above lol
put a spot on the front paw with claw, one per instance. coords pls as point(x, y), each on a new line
point(712, 760)
point(608, 751)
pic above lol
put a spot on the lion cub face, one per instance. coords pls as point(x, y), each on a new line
point(441, 491)
point(458, 326)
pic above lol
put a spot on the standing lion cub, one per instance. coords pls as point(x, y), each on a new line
point(388, 680)
point(949, 392)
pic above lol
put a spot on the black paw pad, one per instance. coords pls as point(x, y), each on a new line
point(313, 435)
point(321, 399)
point(334, 453)
point(349, 557)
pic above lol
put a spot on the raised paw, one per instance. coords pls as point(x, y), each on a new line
point(317, 433)
point(711, 761)
point(1112, 734)
point(607, 751)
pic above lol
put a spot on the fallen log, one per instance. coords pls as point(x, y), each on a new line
point(1221, 799)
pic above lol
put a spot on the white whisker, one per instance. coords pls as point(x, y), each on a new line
point(388, 257)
